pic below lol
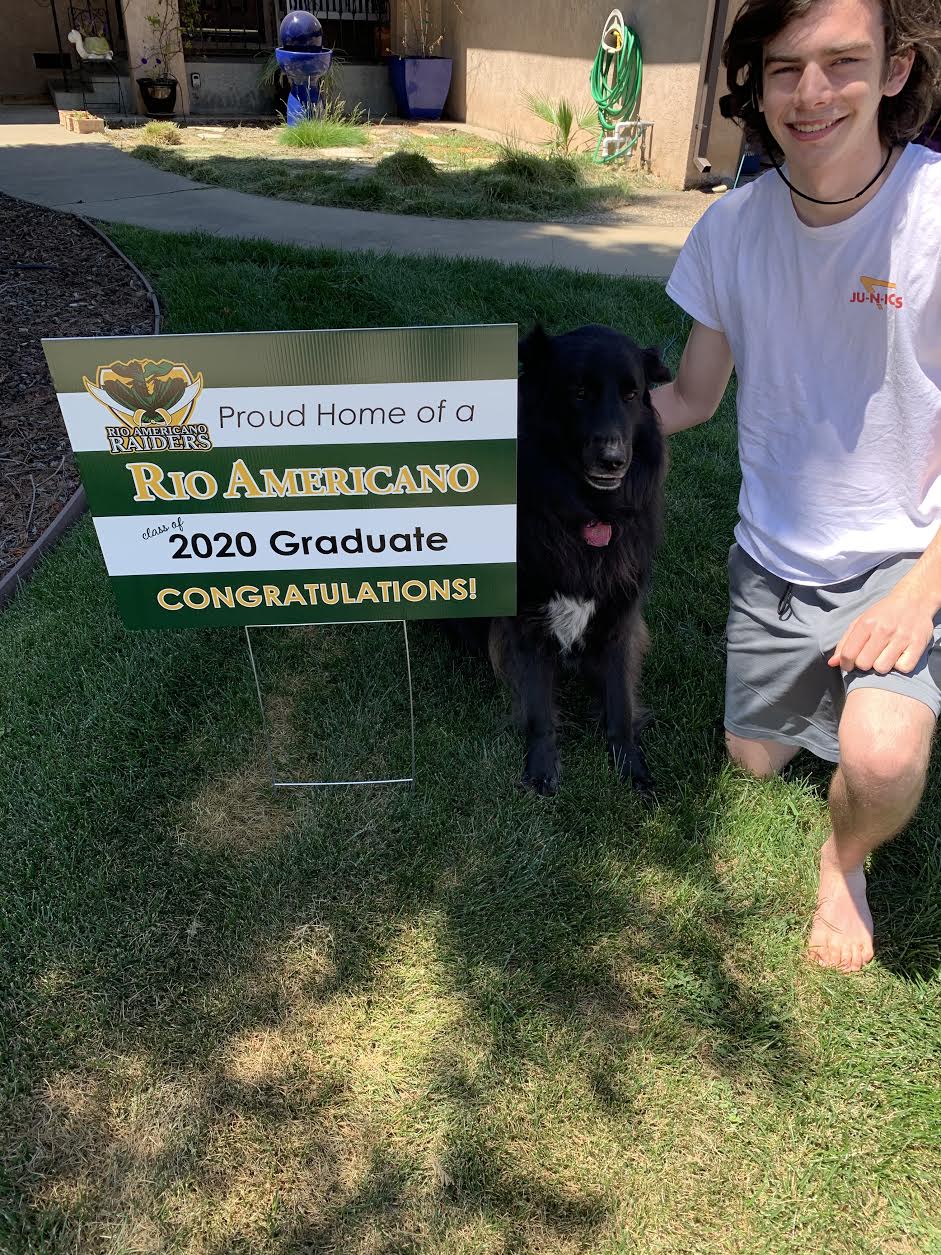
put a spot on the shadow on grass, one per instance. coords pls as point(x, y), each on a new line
point(220, 995)
point(191, 989)
point(355, 1020)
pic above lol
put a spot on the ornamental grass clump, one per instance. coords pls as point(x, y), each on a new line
point(535, 170)
point(162, 133)
point(528, 179)
point(407, 169)
point(328, 125)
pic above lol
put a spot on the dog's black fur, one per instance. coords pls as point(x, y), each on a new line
point(590, 451)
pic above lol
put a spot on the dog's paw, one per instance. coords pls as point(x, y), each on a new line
point(646, 789)
point(543, 786)
point(541, 773)
point(629, 763)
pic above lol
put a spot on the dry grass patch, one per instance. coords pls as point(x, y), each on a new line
point(237, 811)
point(111, 1147)
point(393, 169)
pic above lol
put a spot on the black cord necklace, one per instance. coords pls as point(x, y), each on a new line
point(878, 175)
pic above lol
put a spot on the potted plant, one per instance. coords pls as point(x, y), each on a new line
point(158, 87)
point(420, 77)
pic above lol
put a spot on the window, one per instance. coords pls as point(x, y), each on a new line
point(228, 26)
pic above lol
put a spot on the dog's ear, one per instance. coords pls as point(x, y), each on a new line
point(654, 367)
point(534, 348)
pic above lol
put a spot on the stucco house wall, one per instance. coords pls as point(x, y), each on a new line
point(229, 88)
point(140, 45)
point(502, 51)
point(28, 30)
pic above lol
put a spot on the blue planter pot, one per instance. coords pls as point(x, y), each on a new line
point(420, 85)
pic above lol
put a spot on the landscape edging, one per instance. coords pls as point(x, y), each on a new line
point(76, 505)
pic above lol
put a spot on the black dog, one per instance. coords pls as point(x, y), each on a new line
point(591, 467)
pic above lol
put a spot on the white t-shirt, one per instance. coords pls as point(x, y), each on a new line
point(836, 336)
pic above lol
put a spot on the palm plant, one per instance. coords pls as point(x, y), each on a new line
point(561, 115)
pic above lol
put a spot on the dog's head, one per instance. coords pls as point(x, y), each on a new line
point(589, 392)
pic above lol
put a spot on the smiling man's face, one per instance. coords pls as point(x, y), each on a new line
point(824, 77)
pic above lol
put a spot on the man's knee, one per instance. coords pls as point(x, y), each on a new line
point(885, 742)
point(761, 758)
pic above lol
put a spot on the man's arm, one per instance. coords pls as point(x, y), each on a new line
point(701, 380)
point(894, 632)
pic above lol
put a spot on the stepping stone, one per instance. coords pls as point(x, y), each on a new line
point(343, 153)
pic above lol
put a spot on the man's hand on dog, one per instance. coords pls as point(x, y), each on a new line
point(890, 636)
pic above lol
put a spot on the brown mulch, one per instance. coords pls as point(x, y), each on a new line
point(57, 278)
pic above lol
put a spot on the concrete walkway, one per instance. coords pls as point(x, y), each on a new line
point(42, 162)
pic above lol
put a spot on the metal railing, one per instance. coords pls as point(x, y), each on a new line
point(337, 10)
point(225, 27)
point(97, 17)
point(358, 29)
point(89, 17)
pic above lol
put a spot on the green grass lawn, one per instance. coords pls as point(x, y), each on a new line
point(462, 176)
point(459, 1019)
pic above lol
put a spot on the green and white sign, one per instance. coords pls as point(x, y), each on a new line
point(298, 477)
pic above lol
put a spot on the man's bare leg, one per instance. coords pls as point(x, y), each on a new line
point(885, 744)
point(761, 758)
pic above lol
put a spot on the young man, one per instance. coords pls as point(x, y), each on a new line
point(821, 284)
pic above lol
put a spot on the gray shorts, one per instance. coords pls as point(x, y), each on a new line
point(778, 686)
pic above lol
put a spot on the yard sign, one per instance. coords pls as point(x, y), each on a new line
point(298, 476)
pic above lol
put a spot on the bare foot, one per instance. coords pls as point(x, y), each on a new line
point(841, 934)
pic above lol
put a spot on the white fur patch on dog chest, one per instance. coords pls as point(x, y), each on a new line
point(568, 617)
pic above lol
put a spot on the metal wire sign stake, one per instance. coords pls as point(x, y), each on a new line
point(324, 784)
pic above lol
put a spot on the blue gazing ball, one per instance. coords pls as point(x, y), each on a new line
point(300, 32)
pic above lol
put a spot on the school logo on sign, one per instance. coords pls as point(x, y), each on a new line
point(152, 403)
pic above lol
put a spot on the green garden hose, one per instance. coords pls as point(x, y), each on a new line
point(616, 77)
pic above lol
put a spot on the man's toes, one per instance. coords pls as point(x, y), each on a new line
point(844, 956)
point(827, 957)
point(864, 954)
point(848, 958)
point(826, 951)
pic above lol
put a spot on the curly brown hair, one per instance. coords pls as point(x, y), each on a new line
point(907, 24)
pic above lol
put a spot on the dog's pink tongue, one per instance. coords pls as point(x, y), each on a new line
point(597, 534)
